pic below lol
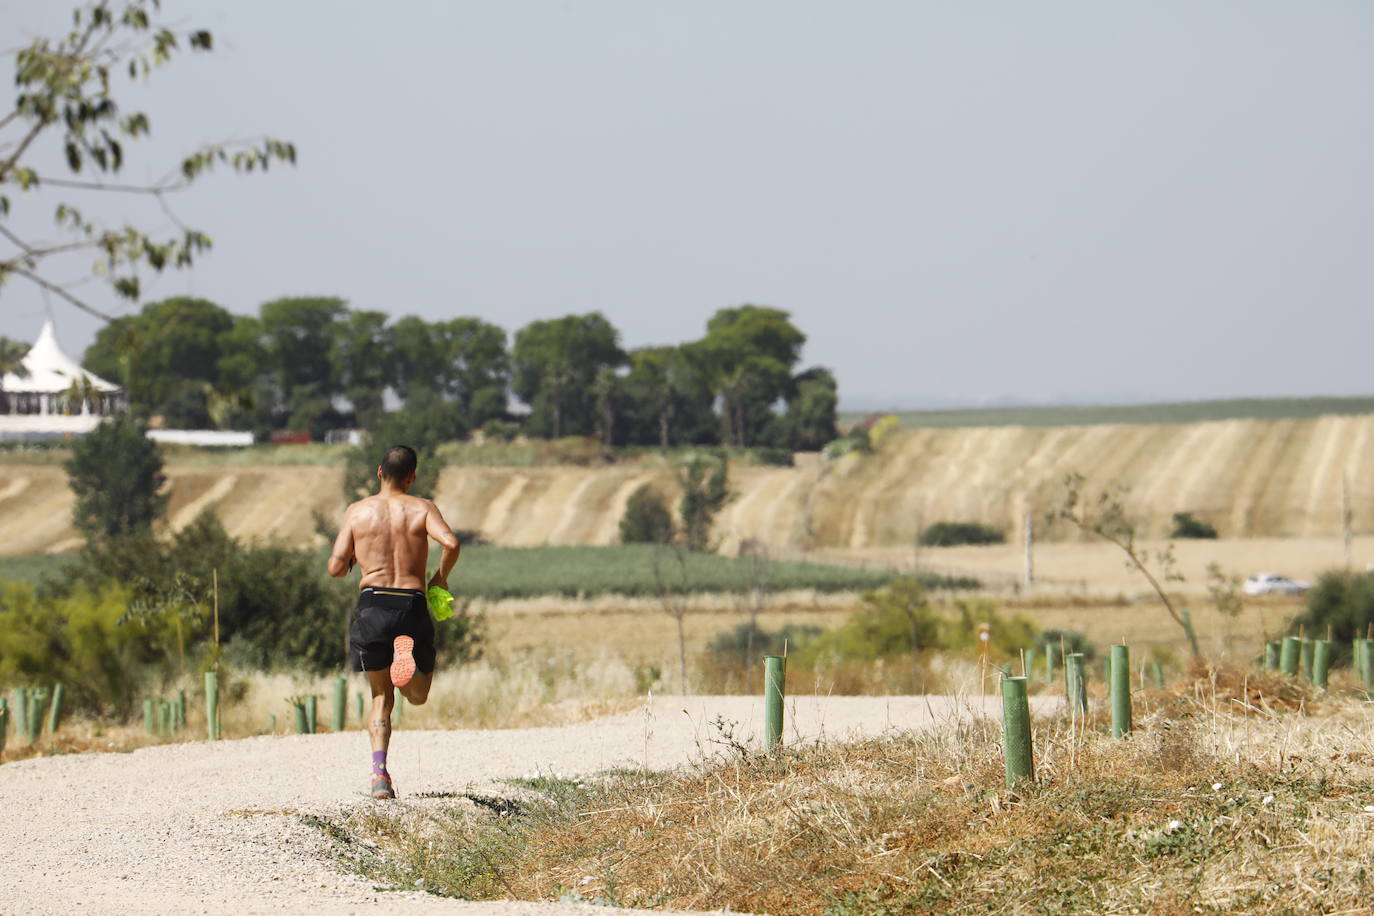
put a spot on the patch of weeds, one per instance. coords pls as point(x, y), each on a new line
point(1166, 822)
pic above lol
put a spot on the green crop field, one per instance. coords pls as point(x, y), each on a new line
point(1089, 415)
point(528, 572)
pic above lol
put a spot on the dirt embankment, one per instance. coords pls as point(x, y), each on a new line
point(1250, 478)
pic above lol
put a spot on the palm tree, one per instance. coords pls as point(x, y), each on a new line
point(12, 354)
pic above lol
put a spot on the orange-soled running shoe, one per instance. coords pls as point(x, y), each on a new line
point(402, 661)
point(382, 787)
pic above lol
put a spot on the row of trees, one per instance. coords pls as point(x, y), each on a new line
point(316, 364)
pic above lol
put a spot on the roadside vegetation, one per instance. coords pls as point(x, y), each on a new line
point(1206, 807)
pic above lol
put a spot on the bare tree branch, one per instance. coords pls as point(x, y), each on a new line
point(54, 288)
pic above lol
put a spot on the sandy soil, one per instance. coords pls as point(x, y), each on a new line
point(216, 828)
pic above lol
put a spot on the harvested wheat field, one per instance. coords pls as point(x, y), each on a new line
point(1249, 478)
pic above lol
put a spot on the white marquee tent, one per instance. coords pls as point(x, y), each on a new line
point(55, 396)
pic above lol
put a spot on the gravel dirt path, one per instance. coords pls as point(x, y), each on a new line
point(216, 828)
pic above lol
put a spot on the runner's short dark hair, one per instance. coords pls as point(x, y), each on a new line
point(398, 463)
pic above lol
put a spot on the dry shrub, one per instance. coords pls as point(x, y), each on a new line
point(1208, 811)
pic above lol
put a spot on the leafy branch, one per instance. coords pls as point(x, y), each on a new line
point(1105, 517)
point(65, 87)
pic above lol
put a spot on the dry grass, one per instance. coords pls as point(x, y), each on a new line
point(1201, 810)
point(552, 689)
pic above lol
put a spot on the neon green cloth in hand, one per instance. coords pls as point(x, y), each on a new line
point(440, 602)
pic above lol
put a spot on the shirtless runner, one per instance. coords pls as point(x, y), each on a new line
point(391, 636)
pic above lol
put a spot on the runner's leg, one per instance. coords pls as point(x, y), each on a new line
point(417, 691)
point(379, 721)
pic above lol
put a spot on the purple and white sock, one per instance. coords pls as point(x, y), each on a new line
point(379, 763)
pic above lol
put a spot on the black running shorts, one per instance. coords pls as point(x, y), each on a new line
point(383, 614)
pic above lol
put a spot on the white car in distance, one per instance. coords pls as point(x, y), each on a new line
point(1274, 584)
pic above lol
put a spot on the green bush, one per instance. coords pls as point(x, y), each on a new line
point(950, 534)
point(735, 645)
point(498, 430)
point(895, 620)
point(646, 519)
point(899, 619)
point(116, 474)
point(1188, 526)
point(1343, 601)
point(81, 640)
point(705, 490)
point(1072, 641)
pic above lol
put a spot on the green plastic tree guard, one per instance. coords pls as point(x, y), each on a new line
point(1271, 655)
point(1107, 671)
point(212, 705)
point(397, 708)
point(21, 712)
point(149, 723)
point(302, 721)
point(1357, 661)
point(774, 689)
point(1121, 691)
point(362, 708)
point(311, 713)
point(1051, 661)
point(1367, 663)
point(1029, 667)
point(1016, 733)
point(340, 709)
point(1308, 648)
point(4, 723)
point(1321, 657)
point(1289, 654)
point(37, 697)
point(55, 710)
point(1158, 670)
point(181, 710)
point(1076, 674)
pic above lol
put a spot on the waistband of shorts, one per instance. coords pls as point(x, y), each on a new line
point(395, 592)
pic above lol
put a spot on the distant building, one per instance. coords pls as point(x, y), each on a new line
point(55, 398)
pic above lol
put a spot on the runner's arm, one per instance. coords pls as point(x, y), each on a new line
point(441, 532)
point(342, 557)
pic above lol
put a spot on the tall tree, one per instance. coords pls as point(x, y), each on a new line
point(299, 334)
point(116, 473)
point(668, 399)
point(478, 374)
point(750, 352)
point(811, 410)
point(363, 356)
point(555, 364)
point(65, 100)
point(463, 359)
point(167, 357)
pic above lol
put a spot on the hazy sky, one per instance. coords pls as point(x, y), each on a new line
point(956, 201)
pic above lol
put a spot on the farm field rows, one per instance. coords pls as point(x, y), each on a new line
point(1249, 478)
